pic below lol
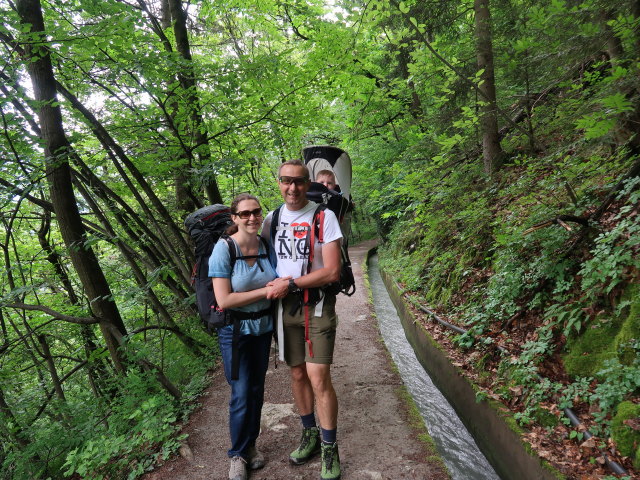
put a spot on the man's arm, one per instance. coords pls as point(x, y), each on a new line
point(329, 273)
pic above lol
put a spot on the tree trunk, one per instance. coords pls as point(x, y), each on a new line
point(415, 106)
point(188, 82)
point(116, 152)
point(615, 50)
point(192, 344)
point(184, 202)
point(58, 171)
point(143, 238)
point(491, 150)
point(55, 378)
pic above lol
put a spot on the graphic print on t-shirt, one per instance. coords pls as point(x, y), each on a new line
point(293, 235)
point(291, 241)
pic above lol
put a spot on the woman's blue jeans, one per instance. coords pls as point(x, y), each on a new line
point(247, 393)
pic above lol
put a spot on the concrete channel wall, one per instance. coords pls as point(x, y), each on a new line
point(498, 442)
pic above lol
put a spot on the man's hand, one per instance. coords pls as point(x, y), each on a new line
point(278, 288)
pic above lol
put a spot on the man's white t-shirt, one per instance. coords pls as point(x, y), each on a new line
point(291, 244)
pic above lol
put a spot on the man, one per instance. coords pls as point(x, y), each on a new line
point(309, 329)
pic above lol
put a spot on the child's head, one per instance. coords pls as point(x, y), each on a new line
point(327, 178)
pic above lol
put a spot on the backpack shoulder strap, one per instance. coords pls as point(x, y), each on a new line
point(266, 247)
point(275, 219)
point(318, 221)
point(316, 231)
point(233, 254)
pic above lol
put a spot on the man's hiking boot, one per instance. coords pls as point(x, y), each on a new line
point(309, 446)
point(238, 468)
point(330, 461)
point(256, 458)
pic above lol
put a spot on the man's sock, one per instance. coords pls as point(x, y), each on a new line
point(308, 421)
point(329, 436)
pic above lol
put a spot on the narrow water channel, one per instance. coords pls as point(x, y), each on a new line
point(454, 442)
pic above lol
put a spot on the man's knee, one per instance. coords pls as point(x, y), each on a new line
point(299, 373)
point(320, 377)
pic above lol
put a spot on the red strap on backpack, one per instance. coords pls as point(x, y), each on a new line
point(305, 299)
point(320, 216)
point(194, 272)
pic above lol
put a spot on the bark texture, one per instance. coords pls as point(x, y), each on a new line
point(491, 150)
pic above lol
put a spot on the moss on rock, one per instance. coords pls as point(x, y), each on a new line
point(627, 439)
point(607, 340)
point(630, 329)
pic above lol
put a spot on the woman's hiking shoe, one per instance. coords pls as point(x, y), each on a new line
point(255, 458)
point(238, 468)
point(309, 446)
point(330, 461)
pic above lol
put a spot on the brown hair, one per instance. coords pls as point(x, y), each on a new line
point(326, 173)
point(296, 162)
point(234, 209)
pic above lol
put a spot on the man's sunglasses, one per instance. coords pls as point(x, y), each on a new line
point(299, 181)
point(244, 214)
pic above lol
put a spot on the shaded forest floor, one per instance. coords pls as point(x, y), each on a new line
point(576, 459)
point(499, 268)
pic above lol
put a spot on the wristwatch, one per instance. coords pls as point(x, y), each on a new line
point(293, 288)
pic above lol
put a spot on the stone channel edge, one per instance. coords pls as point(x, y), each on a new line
point(497, 440)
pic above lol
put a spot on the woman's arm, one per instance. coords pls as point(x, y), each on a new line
point(228, 299)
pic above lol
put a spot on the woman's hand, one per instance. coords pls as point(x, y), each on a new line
point(278, 288)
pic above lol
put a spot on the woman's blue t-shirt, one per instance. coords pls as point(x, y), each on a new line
point(243, 279)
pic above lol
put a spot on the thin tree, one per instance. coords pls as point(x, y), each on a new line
point(492, 152)
point(173, 14)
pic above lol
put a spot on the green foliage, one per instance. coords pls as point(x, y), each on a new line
point(140, 421)
point(629, 334)
point(610, 337)
point(607, 339)
point(588, 352)
point(535, 272)
point(445, 231)
point(614, 251)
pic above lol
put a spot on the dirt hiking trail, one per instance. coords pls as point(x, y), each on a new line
point(375, 438)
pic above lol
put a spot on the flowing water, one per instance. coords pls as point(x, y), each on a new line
point(454, 442)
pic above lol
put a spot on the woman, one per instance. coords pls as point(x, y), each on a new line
point(243, 290)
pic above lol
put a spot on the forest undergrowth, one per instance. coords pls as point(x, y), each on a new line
point(541, 268)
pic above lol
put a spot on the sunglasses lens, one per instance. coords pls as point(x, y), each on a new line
point(298, 181)
point(244, 214)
